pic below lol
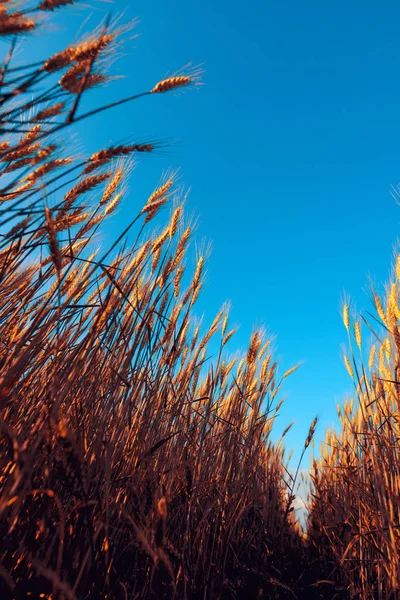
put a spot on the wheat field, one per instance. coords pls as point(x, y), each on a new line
point(131, 466)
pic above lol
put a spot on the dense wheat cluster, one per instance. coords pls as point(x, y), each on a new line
point(131, 464)
point(354, 522)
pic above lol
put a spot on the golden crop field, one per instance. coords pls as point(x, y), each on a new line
point(130, 466)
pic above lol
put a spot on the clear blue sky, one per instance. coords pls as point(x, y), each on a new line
point(290, 150)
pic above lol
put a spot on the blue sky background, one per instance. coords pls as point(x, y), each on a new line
point(290, 150)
